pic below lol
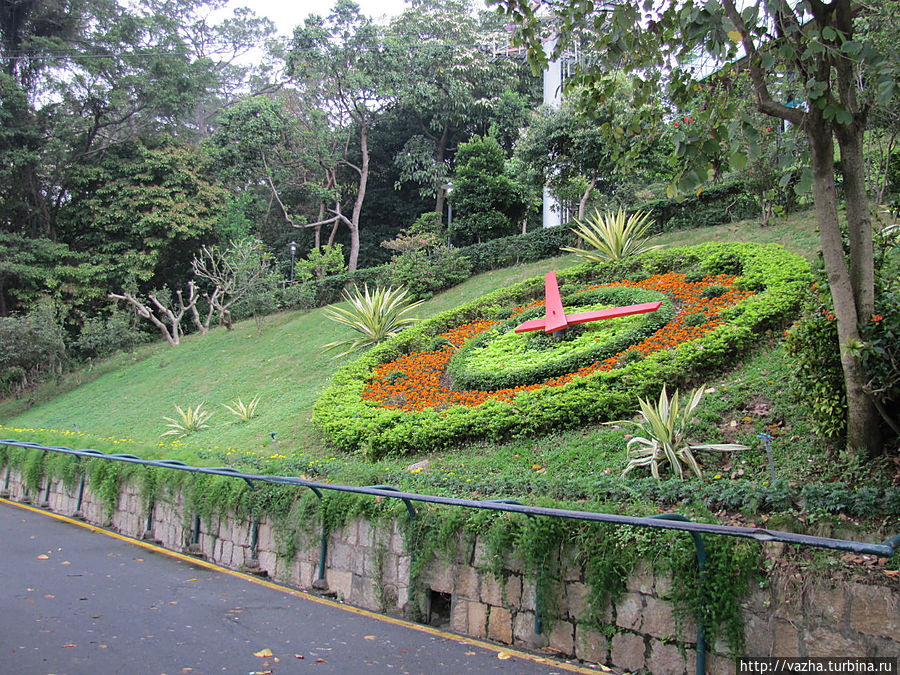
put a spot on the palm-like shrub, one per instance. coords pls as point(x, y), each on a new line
point(664, 426)
point(189, 421)
point(376, 316)
point(243, 411)
point(613, 235)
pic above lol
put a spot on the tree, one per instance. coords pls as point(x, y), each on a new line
point(806, 67)
point(142, 212)
point(242, 272)
point(344, 64)
point(450, 82)
point(487, 202)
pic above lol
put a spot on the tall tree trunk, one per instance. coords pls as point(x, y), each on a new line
point(582, 203)
point(360, 195)
point(439, 153)
point(862, 417)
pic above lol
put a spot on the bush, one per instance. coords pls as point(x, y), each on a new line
point(101, 337)
point(31, 346)
point(713, 206)
point(425, 274)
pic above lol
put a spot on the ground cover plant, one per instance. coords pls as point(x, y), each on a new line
point(395, 399)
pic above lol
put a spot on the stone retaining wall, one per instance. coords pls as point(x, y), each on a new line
point(368, 565)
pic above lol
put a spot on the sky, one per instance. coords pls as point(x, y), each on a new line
point(287, 15)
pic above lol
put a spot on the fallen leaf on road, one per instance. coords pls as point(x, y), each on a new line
point(190, 580)
point(298, 656)
point(139, 560)
point(261, 672)
point(65, 562)
point(321, 661)
point(263, 653)
point(368, 637)
point(49, 595)
point(102, 646)
point(43, 557)
point(470, 653)
point(68, 645)
point(173, 602)
point(503, 656)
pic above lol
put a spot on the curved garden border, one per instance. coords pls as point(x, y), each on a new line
point(776, 278)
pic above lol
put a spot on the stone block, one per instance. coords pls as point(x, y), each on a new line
point(591, 645)
point(467, 583)
point(828, 603)
point(758, 636)
point(491, 590)
point(578, 601)
point(500, 625)
point(480, 554)
point(477, 619)
point(628, 611)
point(665, 659)
point(403, 569)
point(562, 637)
point(529, 589)
point(440, 576)
point(523, 628)
point(875, 610)
point(658, 619)
point(267, 561)
point(572, 570)
point(340, 556)
point(825, 642)
point(459, 615)
point(640, 580)
point(627, 651)
point(364, 594)
point(787, 640)
point(341, 582)
point(365, 534)
point(719, 665)
point(513, 596)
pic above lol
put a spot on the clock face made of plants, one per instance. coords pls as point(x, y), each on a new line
point(468, 374)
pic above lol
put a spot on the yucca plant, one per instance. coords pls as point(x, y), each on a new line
point(376, 316)
point(664, 426)
point(190, 420)
point(612, 236)
point(244, 412)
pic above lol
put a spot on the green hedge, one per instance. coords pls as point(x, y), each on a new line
point(717, 205)
point(714, 206)
point(466, 375)
point(777, 277)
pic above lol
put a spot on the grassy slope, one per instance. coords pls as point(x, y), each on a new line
point(128, 397)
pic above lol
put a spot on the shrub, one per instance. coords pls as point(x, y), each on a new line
point(424, 273)
point(376, 316)
point(31, 346)
point(612, 236)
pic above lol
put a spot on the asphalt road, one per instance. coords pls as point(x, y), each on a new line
point(76, 600)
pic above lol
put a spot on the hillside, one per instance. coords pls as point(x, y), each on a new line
point(119, 405)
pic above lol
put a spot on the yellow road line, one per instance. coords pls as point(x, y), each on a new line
point(462, 639)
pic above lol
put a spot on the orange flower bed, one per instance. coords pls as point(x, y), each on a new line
point(415, 381)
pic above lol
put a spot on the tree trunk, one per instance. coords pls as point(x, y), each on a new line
point(360, 195)
point(582, 203)
point(862, 417)
point(439, 153)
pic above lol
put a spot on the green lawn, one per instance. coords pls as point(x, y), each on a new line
point(126, 398)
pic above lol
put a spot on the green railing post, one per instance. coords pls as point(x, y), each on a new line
point(701, 573)
point(411, 511)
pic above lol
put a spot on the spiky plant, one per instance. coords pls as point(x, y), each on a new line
point(189, 421)
point(376, 316)
point(664, 425)
point(612, 236)
point(244, 412)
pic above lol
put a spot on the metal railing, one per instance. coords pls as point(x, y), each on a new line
point(665, 521)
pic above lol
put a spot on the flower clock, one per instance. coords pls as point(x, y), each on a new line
point(560, 352)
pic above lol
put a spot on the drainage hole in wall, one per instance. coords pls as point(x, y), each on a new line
point(438, 609)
